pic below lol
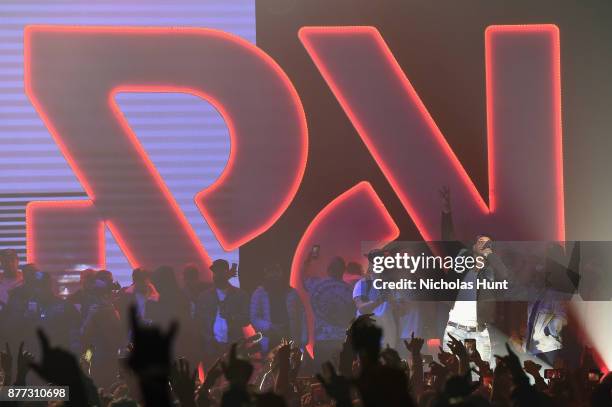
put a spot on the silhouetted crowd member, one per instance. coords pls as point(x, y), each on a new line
point(192, 286)
point(87, 295)
point(171, 305)
point(56, 316)
point(381, 381)
point(276, 310)
point(21, 293)
point(11, 276)
point(332, 305)
point(140, 292)
point(222, 311)
point(100, 339)
point(191, 333)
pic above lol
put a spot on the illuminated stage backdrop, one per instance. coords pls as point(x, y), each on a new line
point(184, 136)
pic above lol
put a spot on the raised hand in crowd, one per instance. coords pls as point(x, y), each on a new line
point(449, 361)
point(281, 381)
point(346, 359)
point(203, 393)
point(390, 357)
point(533, 369)
point(295, 362)
point(237, 372)
point(523, 394)
point(414, 347)
point(484, 368)
point(377, 384)
point(61, 368)
point(288, 360)
point(458, 349)
point(459, 389)
point(6, 364)
point(439, 373)
point(183, 382)
point(150, 359)
point(347, 356)
point(512, 362)
point(347, 353)
point(502, 383)
point(214, 373)
point(337, 387)
point(24, 361)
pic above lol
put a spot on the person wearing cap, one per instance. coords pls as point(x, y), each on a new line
point(221, 312)
point(11, 276)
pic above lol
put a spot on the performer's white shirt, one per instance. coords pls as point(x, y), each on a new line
point(464, 313)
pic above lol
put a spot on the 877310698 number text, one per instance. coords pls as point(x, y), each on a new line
point(34, 393)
